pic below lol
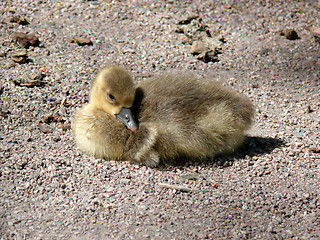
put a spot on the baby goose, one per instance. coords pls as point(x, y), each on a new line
point(178, 116)
point(100, 126)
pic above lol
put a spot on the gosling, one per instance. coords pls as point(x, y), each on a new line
point(169, 117)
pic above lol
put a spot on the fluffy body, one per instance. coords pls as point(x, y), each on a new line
point(180, 116)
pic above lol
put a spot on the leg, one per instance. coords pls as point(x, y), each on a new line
point(139, 147)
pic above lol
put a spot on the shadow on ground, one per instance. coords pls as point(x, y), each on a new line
point(252, 146)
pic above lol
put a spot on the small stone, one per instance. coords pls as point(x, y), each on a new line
point(22, 53)
point(64, 126)
point(20, 57)
point(291, 154)
point(206, 44)
point(20, 60)
point(51, 167)
point(179, 29)
point(12, 65)
point(30, 80)
point(25, 40)
point(315, 149)
point(44, 128)
point(187, 20)
point(185, 40)
point(290, 34)
point(271, 229)
point(22, 165)
point(208, 56)
point(18, 19)
point(128, 50)
point(315, 31)
point(56, 138)
point(309, 109)
point(197, 47)
point(4, 111)
point(81, 41)
point(203, 236)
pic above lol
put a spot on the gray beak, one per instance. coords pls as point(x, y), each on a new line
point(126, 116)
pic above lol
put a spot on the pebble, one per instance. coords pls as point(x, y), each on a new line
point(18, 19)
point(207, 48)
point(315, 31)
point(25, 40)
point(32, 80)
point(260, 192)
point(81, 41)
point(290, 34)
point(20, 56)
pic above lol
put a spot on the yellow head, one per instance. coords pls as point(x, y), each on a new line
point(113, 91)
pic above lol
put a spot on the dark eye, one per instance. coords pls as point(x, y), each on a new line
point(111, 97)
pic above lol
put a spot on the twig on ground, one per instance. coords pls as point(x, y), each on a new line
point(176, 187)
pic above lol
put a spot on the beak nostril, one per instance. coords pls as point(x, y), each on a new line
point(127, 118)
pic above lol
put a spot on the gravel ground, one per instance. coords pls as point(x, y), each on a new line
point(268, 190)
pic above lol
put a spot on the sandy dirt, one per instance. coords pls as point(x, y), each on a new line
point(267, 50)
